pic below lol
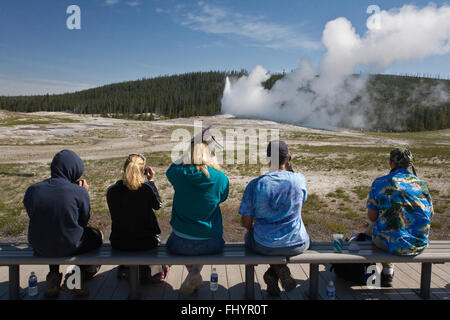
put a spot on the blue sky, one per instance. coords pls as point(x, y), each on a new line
point(124, 40)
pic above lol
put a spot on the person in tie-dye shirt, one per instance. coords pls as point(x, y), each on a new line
point(274, 202)
point(400, 210)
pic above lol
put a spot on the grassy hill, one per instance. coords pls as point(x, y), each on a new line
point(399, 103)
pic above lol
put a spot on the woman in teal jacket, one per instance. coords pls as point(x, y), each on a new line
point(196, 220)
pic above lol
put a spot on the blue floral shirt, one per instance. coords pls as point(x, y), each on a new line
point(404, 212)
point(274, 200)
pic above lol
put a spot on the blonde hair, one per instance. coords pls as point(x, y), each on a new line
point(133, 172)
point(202, 156)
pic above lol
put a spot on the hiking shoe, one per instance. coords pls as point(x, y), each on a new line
point(52, 284)
point(386, 280)
point(192, 282)
point(77, 293)
point(271, 279)
point(284, 274)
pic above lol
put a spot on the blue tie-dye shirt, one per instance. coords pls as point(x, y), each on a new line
point(274, 200)
point(404, 211)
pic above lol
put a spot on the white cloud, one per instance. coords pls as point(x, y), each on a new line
point(134, 3)
point(217, 20)
point(111, 2)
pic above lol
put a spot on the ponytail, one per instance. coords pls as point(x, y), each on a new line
point(202, 157)
point(132, 173)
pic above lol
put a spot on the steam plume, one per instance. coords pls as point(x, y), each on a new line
point(326, 96)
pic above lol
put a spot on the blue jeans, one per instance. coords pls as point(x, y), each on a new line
point(283, 251)
point(189, 247)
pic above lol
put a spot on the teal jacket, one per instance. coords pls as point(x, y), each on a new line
point(195, 209)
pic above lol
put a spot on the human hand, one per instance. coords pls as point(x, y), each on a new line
point(149, 173)
point(83, 183)
point(289, 167)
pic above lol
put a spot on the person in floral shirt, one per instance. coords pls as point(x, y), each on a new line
point(400, 210)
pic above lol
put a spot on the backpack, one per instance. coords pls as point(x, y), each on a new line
point(354, 272)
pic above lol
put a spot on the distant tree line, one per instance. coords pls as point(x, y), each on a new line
point(409, 103)
point(185, 95)
point(400, 103)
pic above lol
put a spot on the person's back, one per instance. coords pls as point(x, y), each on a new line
point(399, 209)
point(59, 212)
point(405, 211)
point(276, 199)
point(196, 210)
point(271, 212)
point(134, 226)
point(58, 208)
point(196, 221)
point(131, 202)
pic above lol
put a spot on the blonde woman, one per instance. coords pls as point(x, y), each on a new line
point(200, 186)
point(131, 202)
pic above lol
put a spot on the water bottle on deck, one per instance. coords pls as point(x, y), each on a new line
point(331, 291)
point(214, 284)
point(32, 285)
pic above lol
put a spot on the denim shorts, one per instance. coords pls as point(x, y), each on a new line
point(283, 251)
point(189, 247)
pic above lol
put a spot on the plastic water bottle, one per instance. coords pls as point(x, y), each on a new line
point(32, 285)
point(331, 291)
point(214, 284)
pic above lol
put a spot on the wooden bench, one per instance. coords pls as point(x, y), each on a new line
point(323, 253)
point(16, 254)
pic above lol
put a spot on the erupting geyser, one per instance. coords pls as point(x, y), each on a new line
point(326, 96)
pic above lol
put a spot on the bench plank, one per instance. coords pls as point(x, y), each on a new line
point(233, 254)
point(370, 256)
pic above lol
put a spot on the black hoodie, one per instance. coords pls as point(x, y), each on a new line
point(58, 208)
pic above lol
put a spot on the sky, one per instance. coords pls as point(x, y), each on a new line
point(122, 40)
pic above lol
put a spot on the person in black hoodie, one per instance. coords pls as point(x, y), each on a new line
point(59, 211)
point(131, 202)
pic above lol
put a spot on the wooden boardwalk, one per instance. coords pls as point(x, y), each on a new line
point(106, 286)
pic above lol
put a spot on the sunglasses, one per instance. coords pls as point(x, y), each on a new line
point(207, 137)
point(137, 154)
